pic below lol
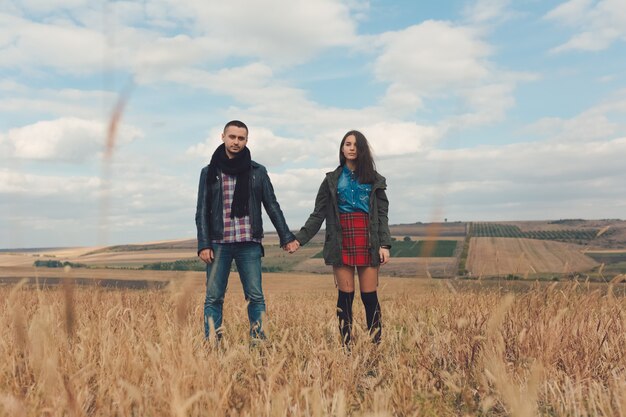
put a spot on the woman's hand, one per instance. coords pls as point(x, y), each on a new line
point(384, 255)
point(292, 246)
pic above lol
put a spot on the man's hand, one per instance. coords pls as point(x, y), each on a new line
point(207, 255)
point(384, 255)
point(292, 246)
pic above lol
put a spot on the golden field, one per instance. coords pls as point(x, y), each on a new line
point(449, 348)
point(497, 256)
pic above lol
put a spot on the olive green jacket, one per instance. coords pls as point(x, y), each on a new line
point(327, 208)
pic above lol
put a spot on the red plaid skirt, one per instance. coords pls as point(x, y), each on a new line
point(356, 241)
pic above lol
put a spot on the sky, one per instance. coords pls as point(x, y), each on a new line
point(475, 110)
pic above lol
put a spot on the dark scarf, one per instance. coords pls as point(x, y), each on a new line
point(240, 166)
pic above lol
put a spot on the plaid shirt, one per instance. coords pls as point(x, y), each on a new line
point(236, 229)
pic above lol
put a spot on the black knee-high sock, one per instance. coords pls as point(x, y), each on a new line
point(372, 314)
point(344, 313)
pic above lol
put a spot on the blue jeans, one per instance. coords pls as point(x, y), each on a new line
point(247, 256)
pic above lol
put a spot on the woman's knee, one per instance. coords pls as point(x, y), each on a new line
point(344, 278)
point(368, 278)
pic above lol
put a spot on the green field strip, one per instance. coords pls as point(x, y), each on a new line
point(607, 258)
point(512, 231)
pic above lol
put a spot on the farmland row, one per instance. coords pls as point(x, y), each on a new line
point(506, 230)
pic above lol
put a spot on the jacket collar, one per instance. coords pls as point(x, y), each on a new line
point(333, 178)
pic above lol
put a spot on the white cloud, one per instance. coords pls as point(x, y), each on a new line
point(432, 57)
point(387, 140)
point(274, 30)
point(435, 62)
point(570, 12)
point(137, 203)
point(66, 139)
point(400, 100)
point(518, 181)
point(586, 127)
point(576, 170)
point(27, 43)
point(179, 51)
point(486, 104)
point(85, 104)
point(186, 59)
point(316, 129)
point(266, 147)
point(18, 183)
point(598, 123)
point(11, 86)
point(482, 11)
point(297, 188)
point(241, 82)
point(71, 49)
point(274, 150)
point(545, 160)
point(44, 6)
point(599, 23)
point(125, 36)
point(5, 147)
point(523, 181)
point(400, 139)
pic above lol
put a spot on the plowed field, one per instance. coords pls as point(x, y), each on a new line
point(503, 256)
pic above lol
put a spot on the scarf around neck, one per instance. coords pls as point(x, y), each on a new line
point(239, 166)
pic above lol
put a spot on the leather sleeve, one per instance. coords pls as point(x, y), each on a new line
point(272, 208)
point(384, 235)
point(202, 213)
point(317, 217)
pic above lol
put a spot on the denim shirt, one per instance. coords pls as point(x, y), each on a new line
point(352, 195)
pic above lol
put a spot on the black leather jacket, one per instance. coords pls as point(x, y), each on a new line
point(209, 209)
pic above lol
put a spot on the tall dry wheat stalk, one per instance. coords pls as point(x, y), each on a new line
point(556, 350)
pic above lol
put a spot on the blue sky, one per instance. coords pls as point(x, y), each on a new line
point(475, 110)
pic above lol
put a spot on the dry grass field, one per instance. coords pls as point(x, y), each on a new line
point(133, 258)
point(450, 347)
point(492, 256)
point(447, 350)
point(128, 256)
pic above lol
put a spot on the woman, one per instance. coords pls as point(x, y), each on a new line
point(353, 203)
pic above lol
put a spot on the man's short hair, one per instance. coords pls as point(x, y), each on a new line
point(236, 123)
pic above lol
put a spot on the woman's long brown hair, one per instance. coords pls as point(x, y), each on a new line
point(365, 167)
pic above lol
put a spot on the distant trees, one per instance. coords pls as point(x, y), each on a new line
point(52, 263)
point(179, 265)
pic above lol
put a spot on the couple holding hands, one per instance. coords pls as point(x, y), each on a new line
point(351, 200)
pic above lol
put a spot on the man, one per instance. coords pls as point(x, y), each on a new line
point(228, 218)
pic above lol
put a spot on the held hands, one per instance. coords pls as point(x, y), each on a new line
point(384, 255)
point(292, 246)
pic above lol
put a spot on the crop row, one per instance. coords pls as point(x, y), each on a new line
point(507, 230)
